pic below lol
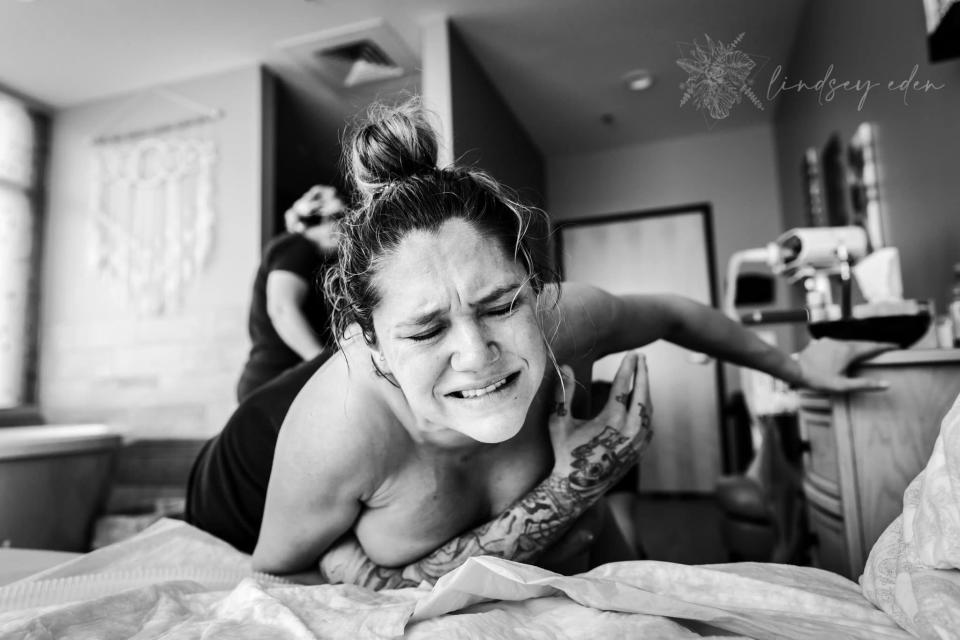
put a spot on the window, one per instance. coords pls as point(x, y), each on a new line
point(20, 196)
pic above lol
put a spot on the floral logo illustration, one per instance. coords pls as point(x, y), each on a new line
point(720, 75)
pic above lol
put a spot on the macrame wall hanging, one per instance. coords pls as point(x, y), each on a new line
point(152, 205)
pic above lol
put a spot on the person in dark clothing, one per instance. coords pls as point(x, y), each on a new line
point(289, 317)
point(228, 482)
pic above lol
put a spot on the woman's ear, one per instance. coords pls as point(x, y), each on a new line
point(379, 360)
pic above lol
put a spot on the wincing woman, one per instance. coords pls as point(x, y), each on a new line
point(441, 429)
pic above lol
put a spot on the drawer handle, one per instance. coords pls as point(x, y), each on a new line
point(805, 446)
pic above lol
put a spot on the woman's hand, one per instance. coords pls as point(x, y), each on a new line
point(824, 361)
point(592, 455)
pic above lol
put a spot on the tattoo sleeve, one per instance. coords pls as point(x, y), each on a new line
point(527, 528)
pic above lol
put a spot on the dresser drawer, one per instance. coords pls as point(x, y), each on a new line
point(820, 457)
point(828, 546)
point(820, 498)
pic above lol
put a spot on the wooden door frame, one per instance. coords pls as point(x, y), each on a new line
point(268, 157)
point(705, 210)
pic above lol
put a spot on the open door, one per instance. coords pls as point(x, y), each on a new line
point(662, 251)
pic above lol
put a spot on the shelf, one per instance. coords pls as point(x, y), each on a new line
point(913, 356)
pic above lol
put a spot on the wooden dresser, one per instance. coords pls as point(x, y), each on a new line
point(862, 450)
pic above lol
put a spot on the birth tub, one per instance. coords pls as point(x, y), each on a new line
point(53, 482)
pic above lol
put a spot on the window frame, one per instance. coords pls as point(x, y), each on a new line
point(28, 412)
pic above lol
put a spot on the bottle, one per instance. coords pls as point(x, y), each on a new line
point(954, 308)
point(816, 212)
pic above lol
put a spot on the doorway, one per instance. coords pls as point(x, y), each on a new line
point(659, 251)
point(301, 148)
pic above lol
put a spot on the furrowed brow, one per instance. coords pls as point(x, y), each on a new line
point(421, 320)
point(493, 296)
point(499, 292)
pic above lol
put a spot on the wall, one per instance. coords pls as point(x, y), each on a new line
point(168, 375)
point(486, 133)
point(475, 124)
point(436, 82)
point(918, 142)
point(734, 171)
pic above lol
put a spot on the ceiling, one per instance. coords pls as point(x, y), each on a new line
point(559, 64)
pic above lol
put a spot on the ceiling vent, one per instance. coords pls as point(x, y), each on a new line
point(354, 55)
point(360, 63)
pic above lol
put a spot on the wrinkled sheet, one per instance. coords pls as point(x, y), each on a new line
point(174, 581)
point(912, 571)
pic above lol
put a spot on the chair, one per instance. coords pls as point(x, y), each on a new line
point(764, 507)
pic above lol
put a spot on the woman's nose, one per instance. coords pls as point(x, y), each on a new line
point(474, 350)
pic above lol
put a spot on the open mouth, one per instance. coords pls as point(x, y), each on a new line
point(496, 387)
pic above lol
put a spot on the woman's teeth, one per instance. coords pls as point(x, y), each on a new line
point(476, 393)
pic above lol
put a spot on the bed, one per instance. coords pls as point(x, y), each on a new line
point(175, 581)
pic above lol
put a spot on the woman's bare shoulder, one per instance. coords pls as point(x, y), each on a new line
point(340, 420)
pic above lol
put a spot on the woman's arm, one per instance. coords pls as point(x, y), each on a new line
point(619, 323)
point(591, 456)
point(308, 507)
point(526, 529)
point(697, 327)
point(325, 463)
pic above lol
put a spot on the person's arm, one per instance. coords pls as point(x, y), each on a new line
point(618, 323)
point(286, 292)
point(318, 481)
point(697, 327)
point(522, 532)
point(590, 457)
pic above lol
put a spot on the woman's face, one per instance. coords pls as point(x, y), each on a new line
point(457, 328)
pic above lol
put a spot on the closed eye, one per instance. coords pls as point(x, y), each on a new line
point(502, 311)
point(421, 337)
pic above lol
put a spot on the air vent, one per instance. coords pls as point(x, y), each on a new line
point(354, 55)
point(360, 63)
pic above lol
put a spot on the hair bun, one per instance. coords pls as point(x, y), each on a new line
point(392, 143)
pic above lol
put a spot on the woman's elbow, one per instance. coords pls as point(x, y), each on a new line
point(269, 561)
point(261, 562)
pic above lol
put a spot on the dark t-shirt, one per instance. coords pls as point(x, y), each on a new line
point(269, 354)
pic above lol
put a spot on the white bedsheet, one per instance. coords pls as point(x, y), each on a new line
point(174, 581)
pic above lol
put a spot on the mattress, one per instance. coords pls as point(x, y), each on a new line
point(173, 580)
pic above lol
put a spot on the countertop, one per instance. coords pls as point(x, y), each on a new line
point(913, 356)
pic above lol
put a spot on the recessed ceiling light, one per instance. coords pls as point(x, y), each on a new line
point(638, 80)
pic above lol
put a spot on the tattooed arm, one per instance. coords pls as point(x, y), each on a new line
point(521, 533)
point(591, 456)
